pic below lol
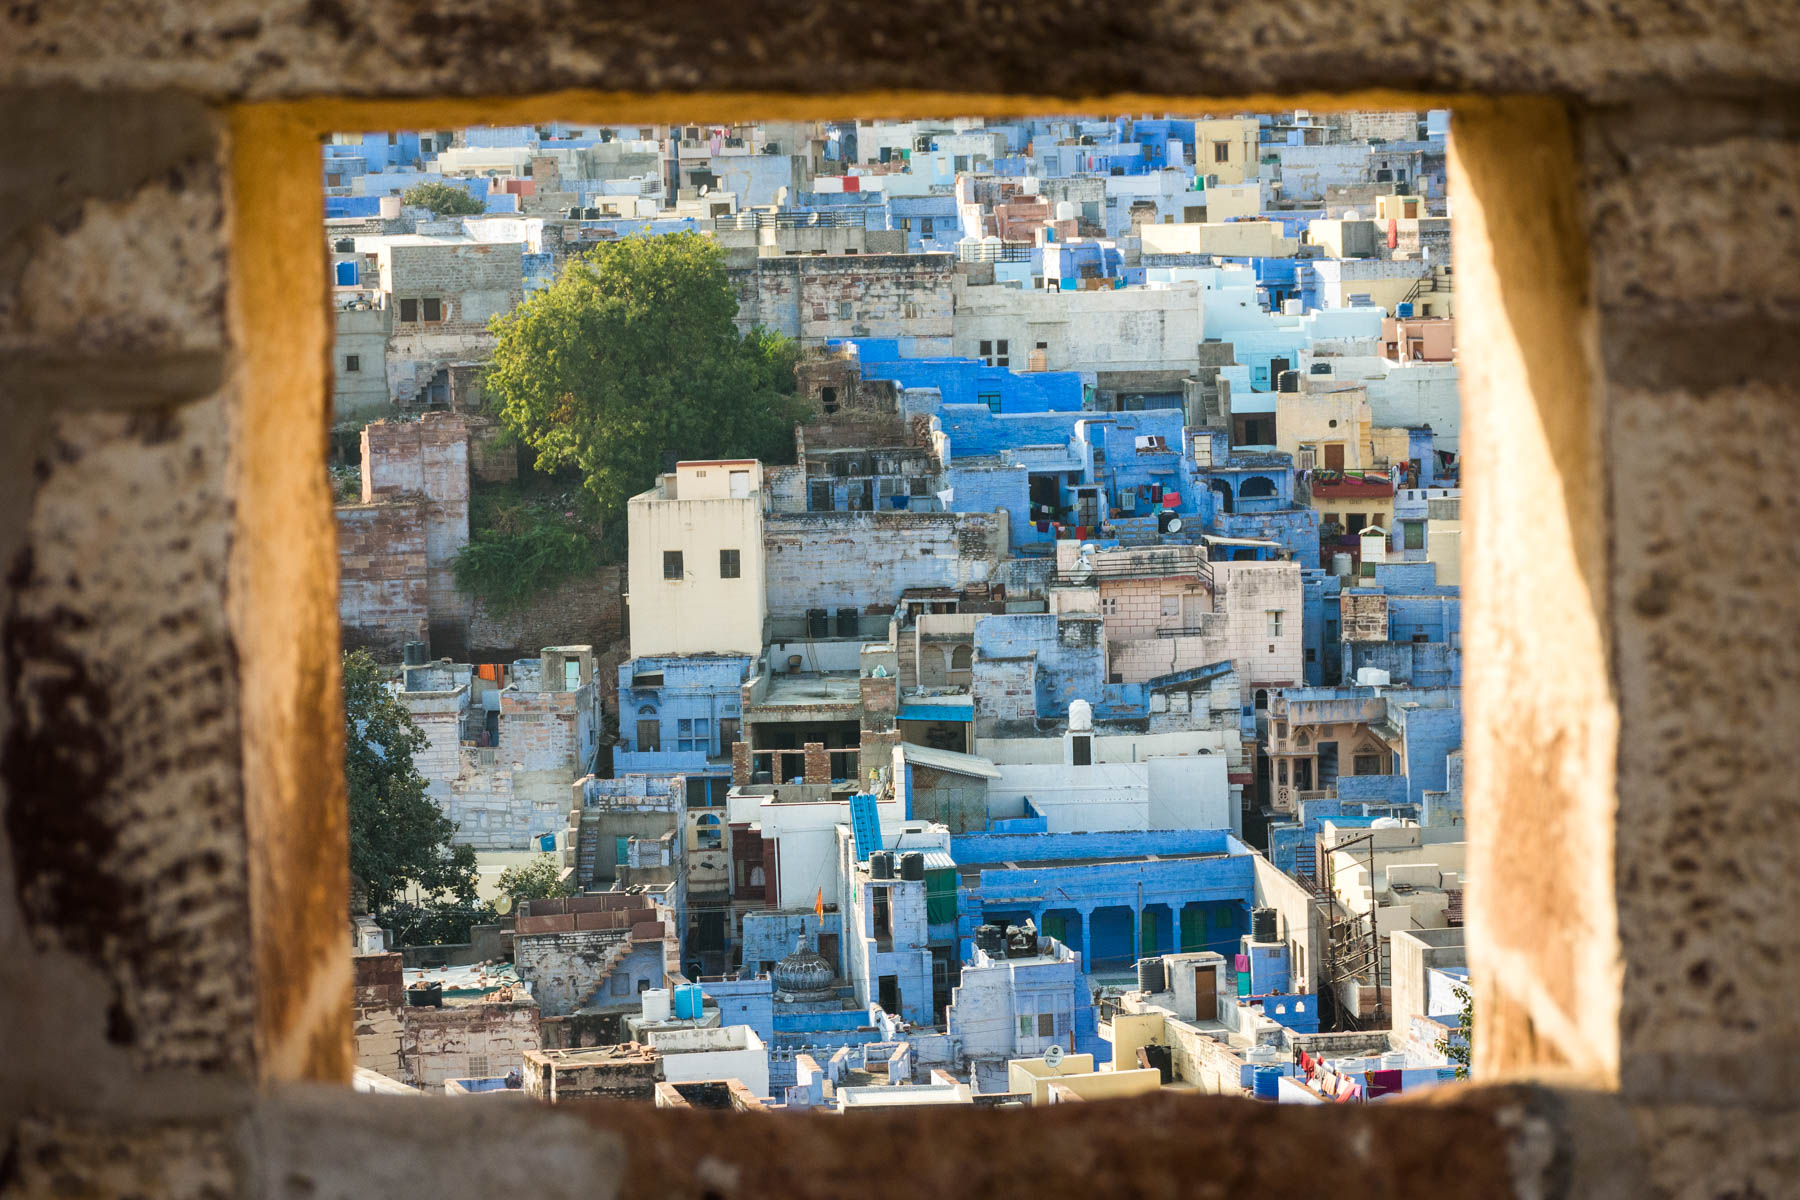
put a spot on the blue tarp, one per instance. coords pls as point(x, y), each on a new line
point(937, 712)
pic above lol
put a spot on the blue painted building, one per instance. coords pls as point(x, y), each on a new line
point(1113, 897)
point(969, 381)
point(678, 715)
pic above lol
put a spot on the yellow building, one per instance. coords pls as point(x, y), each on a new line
point(1228, 149)
point(1235, 239)
point(696, 561)
point(1325, 427)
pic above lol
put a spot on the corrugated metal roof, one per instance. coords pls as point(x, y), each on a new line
point(950, 760)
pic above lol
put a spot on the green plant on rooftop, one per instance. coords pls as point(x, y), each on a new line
point(524, 539)
point(633, 354)
point(539, 879)
point(1458, 1045)
point(443, 199)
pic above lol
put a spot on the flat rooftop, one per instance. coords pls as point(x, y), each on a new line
point(810, 688)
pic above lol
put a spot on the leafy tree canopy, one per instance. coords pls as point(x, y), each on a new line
point(632, 353)
point(539, 879)
point(399, 838)
point(443, 199)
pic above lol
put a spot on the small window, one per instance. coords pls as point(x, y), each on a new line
point(1046, 1024)
point(1026, 1024)
point(672, 565)
point(1414, 532)
point(1275, 623)
point(962, 658)
point(352, 362)
point(409, 311)
point(649, 737)
point(991, 399)
point(433, 308)
point(828, 399)
point(1109, 606)
point(1368, 764)
point(1221, 152)
point(987, 349)
point(844, 310)
point(728, 564)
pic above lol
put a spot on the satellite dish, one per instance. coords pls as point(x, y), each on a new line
point(1053, 1055)
point(503, 905)
point(1174, 525)
point(704, 189)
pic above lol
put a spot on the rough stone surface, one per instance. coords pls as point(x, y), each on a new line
point(51, 1158)
point(125, 821)
point(1709, 684)
point(1224, 47)
point(317, 1144)
point(1701, 1153)
point(1696, 206)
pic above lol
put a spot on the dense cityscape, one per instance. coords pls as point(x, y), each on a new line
point(843, 615)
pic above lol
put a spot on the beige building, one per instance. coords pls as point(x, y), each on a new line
point(1325, 427)
point(1227, 149)
point(1236, 239)
point(696, 561)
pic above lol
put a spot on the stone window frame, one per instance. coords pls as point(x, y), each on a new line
point(1535, 408)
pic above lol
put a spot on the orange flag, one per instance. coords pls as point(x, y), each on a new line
point(819, 905)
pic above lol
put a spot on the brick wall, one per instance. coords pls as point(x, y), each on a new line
point(1365, 617)
point(586, 610)
point(864, 559)
point(383, 594)
point(887, 296)
point(425, 463)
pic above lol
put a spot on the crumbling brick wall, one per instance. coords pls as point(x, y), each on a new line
point(586, 610)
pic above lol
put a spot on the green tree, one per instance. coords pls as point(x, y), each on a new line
point(539, 879)
point(633, 353)
point(443, 199)
point(1458, 1045)
point(399, 839)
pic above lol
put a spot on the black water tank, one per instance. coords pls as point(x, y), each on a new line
point(881, 865)
point(912, 865)
point(762, 777)
point(1152, 977)
point(991, 939)
point(1021, 941)
point(818, 624)
point(412, 654)
point(1262, 925)
point(1287, 381)
point(846, 622)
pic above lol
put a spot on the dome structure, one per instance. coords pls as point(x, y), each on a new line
point(804, 975)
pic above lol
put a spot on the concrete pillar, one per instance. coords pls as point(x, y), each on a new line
point(1087, 939)
point(740, 763)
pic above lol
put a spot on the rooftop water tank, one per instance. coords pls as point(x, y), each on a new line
point(656, 1004)
point(1081, 716)
point(1152, 975)
point(688, 1002)
point(912, 865)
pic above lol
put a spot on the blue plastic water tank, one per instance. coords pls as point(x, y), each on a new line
point(688, 1002)
point(1265, 1082)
